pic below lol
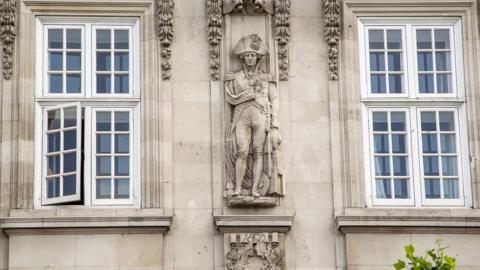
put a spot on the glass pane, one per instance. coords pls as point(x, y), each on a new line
point(70, 117)
point(380, 122)
point(104, 121)
point(53, 121)
point(121, 84)
point(376, 40)
point(53, 142)
point(103, 188)
point(53, 187)
point(74, 83)
point(442, 61)
point(429, 143)
point(449, 166)
point(53, 166)
point(425, 61)
point(398, 144)
point(448, 143)
point(430, 166)
point(103, 61)
point(428, 121)
point(450, 189)
point(56, 61)
point(103, 166)
point(122, 143)
point(55, 38)
point(56, 83)
point(121, 39)
point(121, 121)
point(398, 121)
point(401, 188)
point(104, 84)
point(122, 189)
point(400, 166)
point(377, 61)
point(122, 166)
point(382, 166)
point(444, 83)
point(70, 139)
point(104, 143)
point(432, 188)
point(442, 39)
point(395, 84)
point(74, 39)
point(394, 61)
point(425, 83)
point(384, 189)
point(378, 84)
point(394, 39)
point(121, 61)
point(424, 39)
point(103, 39)
point(74, 61)
point(446, 121)
point(69, 162)
point(69, 185)
point(380, 143)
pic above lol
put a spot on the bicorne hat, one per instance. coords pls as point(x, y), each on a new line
point(251, 43)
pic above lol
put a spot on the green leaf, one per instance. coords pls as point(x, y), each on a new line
point(399, 265)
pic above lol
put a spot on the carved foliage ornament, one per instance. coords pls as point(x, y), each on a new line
point(282, 35)
point(215, 33)
point(332, 34)
point(165, 32)
point(244, 247)
point(8, 34)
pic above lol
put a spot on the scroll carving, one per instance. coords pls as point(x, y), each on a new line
point(215, 34)
point(332, 34)
point(8, 33)
point(282, 35)
point(165, 28)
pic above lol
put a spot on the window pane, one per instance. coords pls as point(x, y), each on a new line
point(442, 61)
point(121, 39)
point(448, 143)
point(74, 37)
point(104, 84)
point(429, 143)
point(430, 166)
point(103, 188)
point(450, 189)
point(104, 121)
point(74, 83)
point(398, 144)
point(53, 166)
point(384, 189)
point(378, 84)
point(394, 39)
point(377, 61)
point(401, 188)
point(103, 39)
point(53, 121)
point(425, 61)
point(103, 61)
point(53, 142)
point(400, 166)
point(444, 83)
point(53, 187)
point(446, 121)
point(395, 83)
point(103, 166)
point(69, 185)
point(121, 121)
point(56, 61)
point(394, 61)
point(56, 83)
point(425, 83)
point(55, 38)
point(122, 189)
point(449, 166)
point(121, 61)
point(398, 121)
point(424, 39)
point(70, 117)
point(428, 121)
point(122, 143)
point(380, 121)
point(70, 139)
point(432, 188)
point(74, 61)
point(442, 39)
point(122, 165)
point(69, 162)
point(376, 39)
point(104, 143)
point(121, 84)
point(380, 143)
point(382, 166)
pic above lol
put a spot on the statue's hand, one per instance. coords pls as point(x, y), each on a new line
point(275, 137)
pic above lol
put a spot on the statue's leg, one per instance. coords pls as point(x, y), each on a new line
point(258, 140)
point(242, 137)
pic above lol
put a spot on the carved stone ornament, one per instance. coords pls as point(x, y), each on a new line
point(282, 35)
point(332, 34)
point(248, 251)
point(8, 33)
point(215, 34)
point(253, 147)
point(165, 33)
point(248, 7)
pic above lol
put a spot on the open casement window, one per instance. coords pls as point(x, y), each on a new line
point(62, 151)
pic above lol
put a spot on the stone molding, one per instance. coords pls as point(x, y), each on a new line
point(8, 33)
point(282, 35)
point(215, 34)
point(251, 223)
point(165, 33)
point(331, 10)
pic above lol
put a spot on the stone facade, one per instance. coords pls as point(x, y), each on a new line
point(314, 212)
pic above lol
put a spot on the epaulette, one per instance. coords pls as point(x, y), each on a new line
point(229, 76)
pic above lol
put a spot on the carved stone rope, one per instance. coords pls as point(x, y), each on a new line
point(165, 28)
point(8, 34)
point(332, 34)
point(282, 35)
point(215, 33)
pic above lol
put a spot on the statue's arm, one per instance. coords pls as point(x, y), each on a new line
point(232, 97)
point(274, 101)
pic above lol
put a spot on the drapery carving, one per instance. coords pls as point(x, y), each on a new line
point(282, 35)
point(165, 33)
point(8, 34)
point(332, 34)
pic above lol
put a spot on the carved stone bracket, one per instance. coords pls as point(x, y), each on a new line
point(165, 33)
point(282, 35)
point(332, 34)
point(8, 33)
point(215, 34)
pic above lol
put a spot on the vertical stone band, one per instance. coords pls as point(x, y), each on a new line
point(8, 33)
point(282, 35)
point(165, 33)
point(215, 33)
point(331, 11)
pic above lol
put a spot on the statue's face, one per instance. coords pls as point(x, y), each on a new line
point(250, 59)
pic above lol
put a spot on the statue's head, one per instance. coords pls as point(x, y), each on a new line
point(250, 49)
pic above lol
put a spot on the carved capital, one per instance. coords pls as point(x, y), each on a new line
point(331, 11)
point(165, 33)
point(282, 35)
point(8, 33)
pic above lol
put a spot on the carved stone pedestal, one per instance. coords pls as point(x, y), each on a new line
point(250, 201)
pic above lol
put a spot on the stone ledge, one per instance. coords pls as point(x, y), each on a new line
point(249, 223)
point(84, 224)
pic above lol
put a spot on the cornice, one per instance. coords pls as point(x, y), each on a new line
point(250, 223)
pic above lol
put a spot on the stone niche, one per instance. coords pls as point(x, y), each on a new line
point(254, 251)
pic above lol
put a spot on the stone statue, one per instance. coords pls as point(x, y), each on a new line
point(253, 143)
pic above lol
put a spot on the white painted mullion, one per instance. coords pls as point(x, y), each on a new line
point(434, 61)
point(439, 152)
point(112, 61)
point(390, 153)
point(385, 56)
point(411, 55)
point(112, 154)
point(64, 59)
